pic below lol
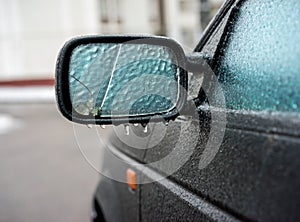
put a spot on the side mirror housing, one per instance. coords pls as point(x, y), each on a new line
point(121, 79)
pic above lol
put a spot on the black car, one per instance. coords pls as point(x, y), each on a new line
point(209, 136)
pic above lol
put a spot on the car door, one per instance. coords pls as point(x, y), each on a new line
point(252, 48)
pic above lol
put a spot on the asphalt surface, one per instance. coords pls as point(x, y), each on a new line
point(43, 174)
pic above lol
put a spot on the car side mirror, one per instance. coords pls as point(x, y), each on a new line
point(121, 79)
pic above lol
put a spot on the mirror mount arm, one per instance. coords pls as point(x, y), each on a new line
point(197, 65)
point(196, 61)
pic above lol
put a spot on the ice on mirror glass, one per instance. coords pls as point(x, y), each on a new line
point(259, 65)
point(110, 79)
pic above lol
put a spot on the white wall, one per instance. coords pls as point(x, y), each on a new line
point(135, 16)
point(33, 31)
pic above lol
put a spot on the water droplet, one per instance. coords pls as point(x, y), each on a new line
point(166, 123)
point(90, 126)
point(145, 130)
point(126, 127)
point(135, 124)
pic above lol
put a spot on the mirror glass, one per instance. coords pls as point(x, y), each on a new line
point(123, 79)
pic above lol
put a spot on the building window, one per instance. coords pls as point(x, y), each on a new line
point(110, 11)
point(185, 5)
point(104, 11)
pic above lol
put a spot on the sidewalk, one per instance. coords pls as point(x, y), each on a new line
point(27, 91)
point(28, 94)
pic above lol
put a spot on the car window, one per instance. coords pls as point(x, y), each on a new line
point(258, 64)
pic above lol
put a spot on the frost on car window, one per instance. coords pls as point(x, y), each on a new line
point(259, 64)
point(120, 79)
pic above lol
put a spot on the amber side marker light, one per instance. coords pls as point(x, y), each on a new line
point(131, 179)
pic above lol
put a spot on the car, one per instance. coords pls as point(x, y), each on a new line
point(209, 136)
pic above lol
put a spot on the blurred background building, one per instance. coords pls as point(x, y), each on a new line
point(33, 31)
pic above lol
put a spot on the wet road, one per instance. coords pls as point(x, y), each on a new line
point(43, 175)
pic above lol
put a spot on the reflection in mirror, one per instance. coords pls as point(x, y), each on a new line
point(114, 79)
